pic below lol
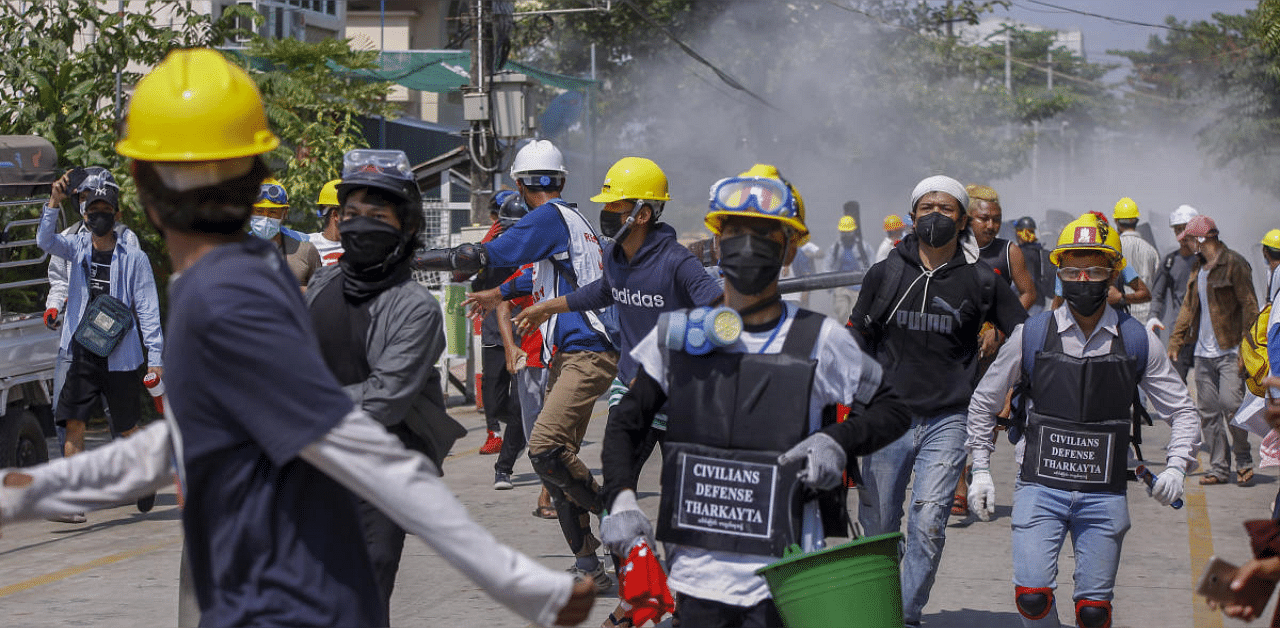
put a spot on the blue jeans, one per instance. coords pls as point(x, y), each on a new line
point(933, 449)
point(1043, 516)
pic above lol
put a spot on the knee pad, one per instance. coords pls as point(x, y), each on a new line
point(1033, 602)
point(1093, 613)
point(550, 466)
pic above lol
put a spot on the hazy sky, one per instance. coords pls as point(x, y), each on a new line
point(1101, 35)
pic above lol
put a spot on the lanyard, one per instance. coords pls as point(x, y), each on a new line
point(773, 335)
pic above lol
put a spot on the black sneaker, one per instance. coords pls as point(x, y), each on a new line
point(145, 504)
point(502, 482)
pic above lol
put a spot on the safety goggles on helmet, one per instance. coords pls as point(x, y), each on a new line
point(273, 193)
point(764, 195)
point(1092, 273)
point(98, 180)
point(390, 163)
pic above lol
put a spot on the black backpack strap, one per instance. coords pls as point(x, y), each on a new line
point(987, 282)
point(802, 337)
point(1034, 333)
point(1134, 336)
point(894, 267)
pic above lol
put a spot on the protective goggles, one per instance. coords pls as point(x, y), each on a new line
point(273, 193)
point(98, 182)
point(389, 163)
point(1092, 273)
point(763, 195)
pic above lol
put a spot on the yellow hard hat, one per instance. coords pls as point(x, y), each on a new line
point(1126, 209)
point(847, 224)
point(893, 222)
point(272, 194)
point(1089, 233)
point(633, 178)
point(760, 192)
point(329, 193)
point(195, 106)
point(1272, 239)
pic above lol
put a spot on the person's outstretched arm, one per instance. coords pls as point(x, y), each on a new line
point(105, 477)
point(361, 455)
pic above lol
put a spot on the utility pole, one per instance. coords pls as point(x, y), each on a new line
point(591, 116)
point(382, 55)
point(480, 180)
point(1008, 61)
point(1049, 73)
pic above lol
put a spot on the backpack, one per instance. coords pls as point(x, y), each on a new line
point(1253, 352)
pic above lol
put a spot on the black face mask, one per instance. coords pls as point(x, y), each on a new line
point(1085, 297)
point(750, 262)
point(100, 223)
point(936, 229)
point(611, 223)
point(370, 247)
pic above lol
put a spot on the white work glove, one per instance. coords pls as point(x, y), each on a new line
point(1168, 486)
point(624, 525)
point(1154, 324)
point(982, 495)
point(825, 460)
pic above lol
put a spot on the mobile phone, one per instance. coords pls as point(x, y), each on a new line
point(75, 178)
point(1215, 582)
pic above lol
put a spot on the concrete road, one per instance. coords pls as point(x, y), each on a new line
point(121, 568)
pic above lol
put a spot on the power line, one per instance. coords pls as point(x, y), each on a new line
point(1118, 20)
point(1057, 74)
point(724, 76)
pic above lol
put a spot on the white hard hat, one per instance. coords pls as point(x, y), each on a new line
point(538, 156)
point(1182, 215)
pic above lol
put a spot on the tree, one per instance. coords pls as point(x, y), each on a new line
point(57, 80)
point(1221, 79)
point(313, 105)
point(61, 57)
point(866, 94)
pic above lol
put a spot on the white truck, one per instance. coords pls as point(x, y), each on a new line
point(28, 349)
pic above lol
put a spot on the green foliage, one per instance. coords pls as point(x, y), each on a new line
point(61, 58)
point(313, 109)
point(1221, 79)
point(58, 76)
point(831, 71)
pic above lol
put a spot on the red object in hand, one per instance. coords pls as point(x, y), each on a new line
point(644, 585)
point(51, 318)
point(156, 387)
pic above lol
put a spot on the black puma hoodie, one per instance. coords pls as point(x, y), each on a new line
point(928, 340)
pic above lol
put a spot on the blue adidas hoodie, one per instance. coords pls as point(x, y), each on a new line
point(663, 276)
point(537, 236)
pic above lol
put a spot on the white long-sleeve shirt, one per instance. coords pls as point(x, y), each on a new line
point(1166, 391)
point(358, 453)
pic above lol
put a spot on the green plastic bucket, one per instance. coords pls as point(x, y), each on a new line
point(855, 584)
point(456, 325)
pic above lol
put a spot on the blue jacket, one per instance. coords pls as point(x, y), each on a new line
point(663, 276)
point(131, 282)
point(537, 236)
